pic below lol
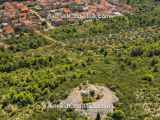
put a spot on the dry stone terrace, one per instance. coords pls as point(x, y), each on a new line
point(103, 103)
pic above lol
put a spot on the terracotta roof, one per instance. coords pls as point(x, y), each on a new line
point(78, 1)
point(8, 29)
point(8, 5)
point(66, 10)
point(19, 5)
point(92, 8)
point(22, 7)
point(9, 9)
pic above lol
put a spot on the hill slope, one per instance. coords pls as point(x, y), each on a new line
point(122, 53)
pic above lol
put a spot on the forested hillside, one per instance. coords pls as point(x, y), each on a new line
point(122, 53)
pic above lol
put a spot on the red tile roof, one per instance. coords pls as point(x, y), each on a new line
point(8, 29)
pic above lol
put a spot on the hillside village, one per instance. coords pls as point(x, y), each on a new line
point(13, 16)
point(17, 16)
point(71, 10)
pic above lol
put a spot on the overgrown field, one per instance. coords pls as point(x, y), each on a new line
point(122, 53)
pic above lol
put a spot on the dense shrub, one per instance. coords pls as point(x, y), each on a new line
point(98, 117)
point(22, 98)
point(87, 99)
point(148, 77)
point(118, 115)
point(25, 42)
point(156, 69)
point(154, 61)
point(136, 52)
point(155, 52)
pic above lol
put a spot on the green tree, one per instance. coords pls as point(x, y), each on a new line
point(98, 117)
point(118, 115)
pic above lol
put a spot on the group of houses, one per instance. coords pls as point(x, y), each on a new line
point(17, 15)
point(71, 10)
point(13, 15)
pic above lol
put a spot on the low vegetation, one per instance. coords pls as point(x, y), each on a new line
point(121, 53)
